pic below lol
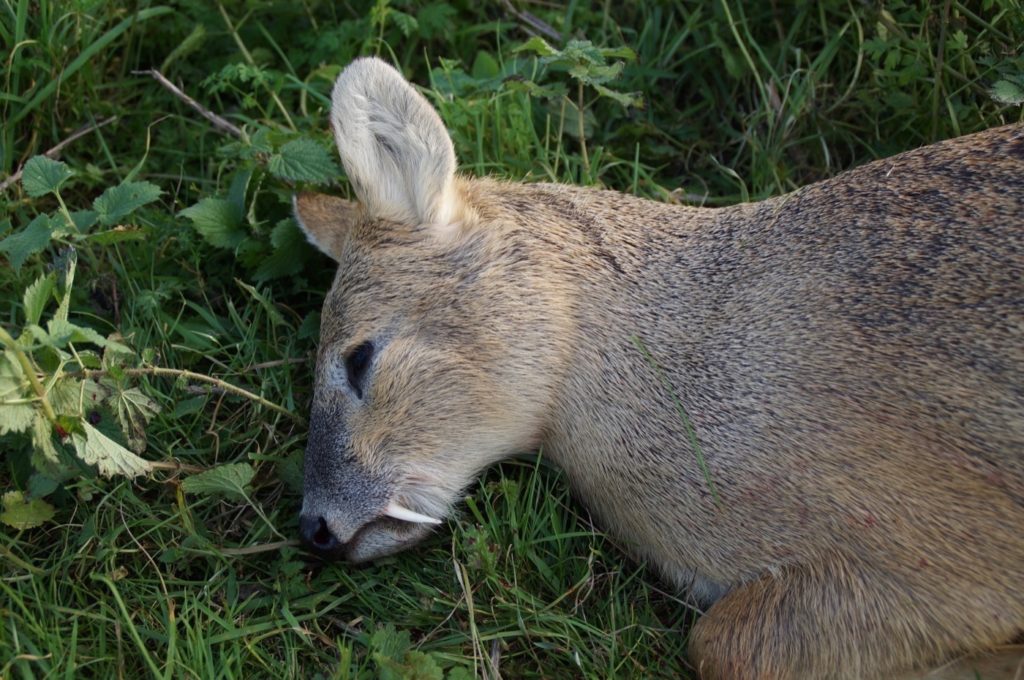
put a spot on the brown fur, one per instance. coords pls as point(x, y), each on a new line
point(851, 356)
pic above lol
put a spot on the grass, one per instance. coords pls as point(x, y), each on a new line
point(136, 578)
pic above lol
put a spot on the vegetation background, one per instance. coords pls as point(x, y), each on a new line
point(159, 309)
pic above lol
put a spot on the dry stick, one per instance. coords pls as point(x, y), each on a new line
point(55, 150)
point(220, 123)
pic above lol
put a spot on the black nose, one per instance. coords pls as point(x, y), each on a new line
point(317, 536)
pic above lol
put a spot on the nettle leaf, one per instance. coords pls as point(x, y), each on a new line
point(43, 175)
point(134, 411)
point(25, 514)
point(29, 241)
point(109, 457)
point(291, 252)
point(42, 439)
point(303, 160)
point(76, 397)
point(624, 98)
point(231, 480)
point(16, 414)
point(538, 46)
point(15, 417)
point(218, 220)
point(37, 296)
point(61, 332)
point(126, 197)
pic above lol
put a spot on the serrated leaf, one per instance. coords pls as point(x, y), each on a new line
point(1006, 91)
point(22, 514)
point(61, 332)
point(125, 198)
point(618, 53)
point(15, 417)
point(29, 241)
point(134, 410)
point(75, 398)
point(42, 439)
point(303, 160)
point(12, 377)
point(538, 46)
point(219, 222)
point(43, 175)
point(37, 296)
point(109, 457)
point(626, 99)
point(291, 251)
point(229, 480)
point(390, 642)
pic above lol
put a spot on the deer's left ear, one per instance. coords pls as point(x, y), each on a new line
point(394, 147)
point(325, 220)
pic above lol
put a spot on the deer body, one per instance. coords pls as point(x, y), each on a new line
point(808, 410)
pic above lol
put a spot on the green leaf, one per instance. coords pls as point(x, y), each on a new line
point(15, 417)
point(22, 514)
point(44, 175)
point(291, 252)
point(303, 160)
point(109, 457)
point(538, 46)
point(74, 398)
point(37, 296)
point(134, 410)
point(29, 241)
point(125, 198)
point(16, 414)
point(229, 480)
point(1006, 91)
point(61, 332)
point(219, 222)
point(626, 99)
point(84, 219)
point(390, 643)
point(42, 439)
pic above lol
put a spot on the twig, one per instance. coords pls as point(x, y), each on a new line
point(55, 150)
point(533, 22)
point(192, 375)
point(220, 123)
point(175, 466)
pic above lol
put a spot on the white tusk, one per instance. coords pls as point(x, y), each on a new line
point(406, 515)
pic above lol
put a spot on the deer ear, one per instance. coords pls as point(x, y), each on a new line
point(325, 220)
point(394, 147)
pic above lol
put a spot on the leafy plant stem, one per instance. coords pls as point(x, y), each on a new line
point(29, 370)
point(252, 62)
point(191, 375)
point(64, 211)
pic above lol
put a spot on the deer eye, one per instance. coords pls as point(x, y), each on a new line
point(356, 363)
